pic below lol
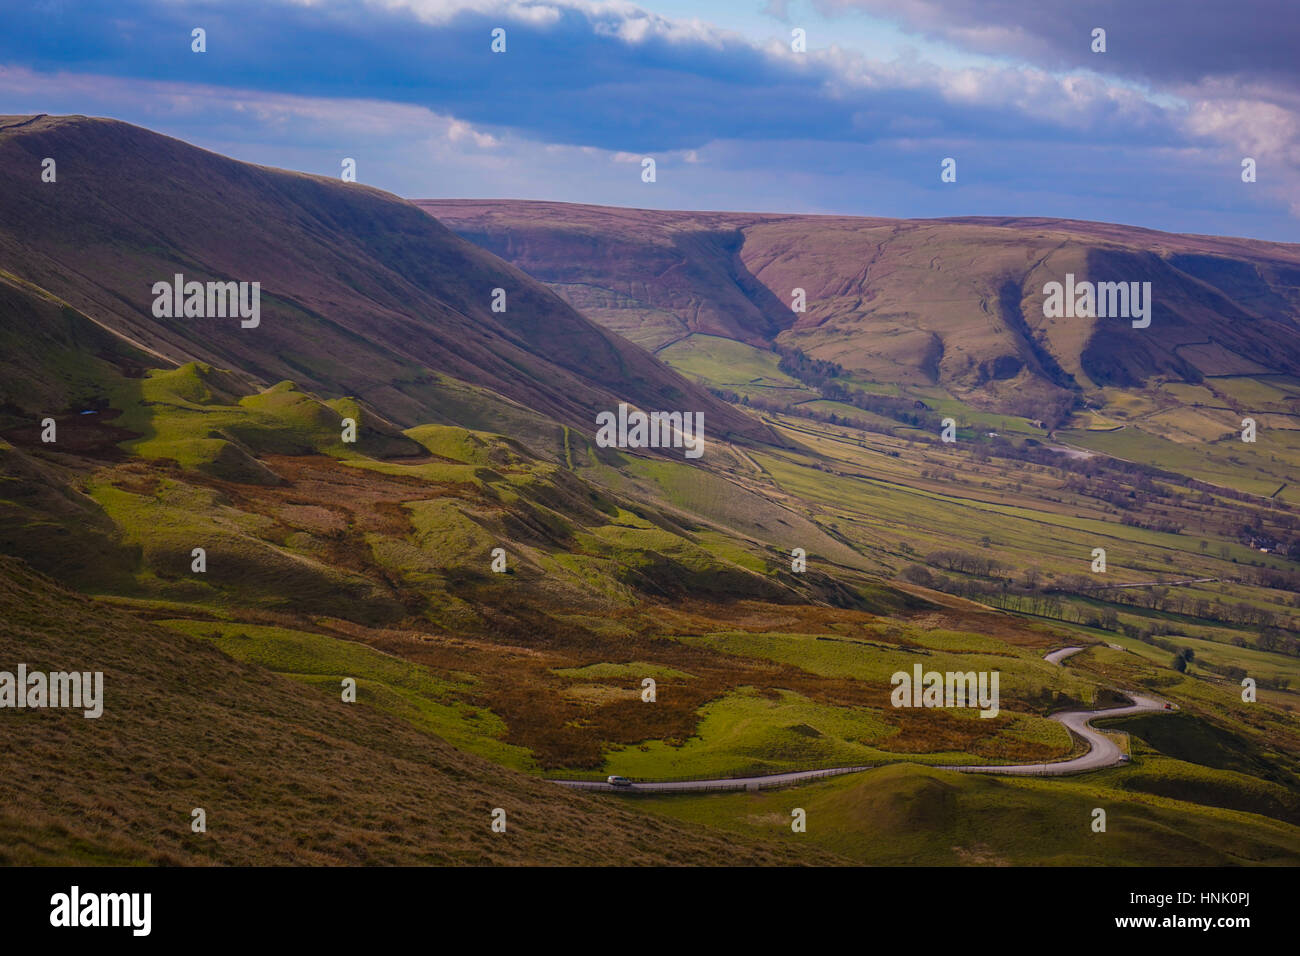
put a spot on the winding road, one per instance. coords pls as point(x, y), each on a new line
point(1102, 749)
point(1055, 657)
point(724, 783)
point(1102, 752)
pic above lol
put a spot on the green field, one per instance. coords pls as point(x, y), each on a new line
point(390, 685)
point(913, 816)
point(726, 363)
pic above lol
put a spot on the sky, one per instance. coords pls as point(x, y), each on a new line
point(1151, 132)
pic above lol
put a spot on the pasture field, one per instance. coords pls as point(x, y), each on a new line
point(726, 363)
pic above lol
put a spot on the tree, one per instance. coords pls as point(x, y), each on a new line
point(917, 575)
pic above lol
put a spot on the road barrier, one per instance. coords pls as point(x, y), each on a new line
point(770, 781)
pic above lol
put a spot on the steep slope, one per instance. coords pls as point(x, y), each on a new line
point(654, 277)
point(361, 293)
point(957, 303)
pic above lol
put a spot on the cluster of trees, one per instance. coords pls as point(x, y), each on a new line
point(820, 374)
point(883, 405)
point(984, 579)
point(1152, 524)
point(1176, 601)
point(1183, 656)
point(1235, 674)
point(802, 411)
point(901, 410)
point(1053, 411)
point(814, 373)
point(1172, 601)
point(967, 563)
point(1134, 487)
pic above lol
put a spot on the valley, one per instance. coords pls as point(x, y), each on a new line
point(499, 583)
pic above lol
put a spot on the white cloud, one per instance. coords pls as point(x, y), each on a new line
point(457, 131)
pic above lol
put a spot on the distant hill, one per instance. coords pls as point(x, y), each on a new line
point(951, 302)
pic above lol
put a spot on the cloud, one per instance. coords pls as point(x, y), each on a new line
point(582, 82)
point(457, 131)
point(1183, 41)
point(608, 75)
point(1227, 74)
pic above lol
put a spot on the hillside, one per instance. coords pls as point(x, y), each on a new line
point(951, 303)
point(286, 772)
point(361, 293)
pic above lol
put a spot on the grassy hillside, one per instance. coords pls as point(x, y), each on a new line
point(362, 294)
point(914, 816)
point(287, 773)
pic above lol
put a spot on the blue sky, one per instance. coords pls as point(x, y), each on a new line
point(1152, 132)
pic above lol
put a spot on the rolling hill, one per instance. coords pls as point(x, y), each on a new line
point(955, 303)
point(362, 294)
